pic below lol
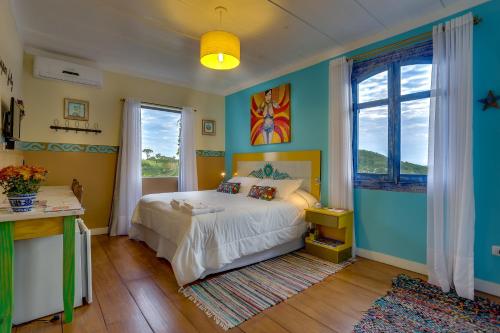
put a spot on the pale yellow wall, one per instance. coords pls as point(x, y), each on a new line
point(11, 52)
point(95, 171)
point(43, 101)
point(10, 157)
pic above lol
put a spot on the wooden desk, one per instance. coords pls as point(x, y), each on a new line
point(34, 224)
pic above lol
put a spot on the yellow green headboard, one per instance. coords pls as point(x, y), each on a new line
point(305, 164)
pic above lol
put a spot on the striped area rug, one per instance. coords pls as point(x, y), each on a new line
point(235, 296)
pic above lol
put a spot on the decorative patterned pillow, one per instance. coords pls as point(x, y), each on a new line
point(256, 191)
point(284, 187)
point(226, 187)
point(245, 182)
point(268, 193)
point(262, 192)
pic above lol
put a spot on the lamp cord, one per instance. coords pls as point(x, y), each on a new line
point(220, 9)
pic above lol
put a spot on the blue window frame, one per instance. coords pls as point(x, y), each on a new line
point(391, 100)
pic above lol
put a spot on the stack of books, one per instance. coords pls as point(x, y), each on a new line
point(328, 241)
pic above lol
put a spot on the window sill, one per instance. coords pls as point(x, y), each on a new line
point(161, 177)
point(391, 186)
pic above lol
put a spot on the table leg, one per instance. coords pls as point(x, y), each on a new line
point(6, 275)
point(69, 267)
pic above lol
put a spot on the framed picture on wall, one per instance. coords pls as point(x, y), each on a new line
point(270, 116)
point(208, 127)
point(75, 109)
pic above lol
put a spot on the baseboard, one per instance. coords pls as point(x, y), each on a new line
point(393, 261)
point(488, 287)
point(99, 231)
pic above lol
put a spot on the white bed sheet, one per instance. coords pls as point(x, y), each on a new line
point(210, 241)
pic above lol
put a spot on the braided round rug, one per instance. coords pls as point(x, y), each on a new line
point(414, 305)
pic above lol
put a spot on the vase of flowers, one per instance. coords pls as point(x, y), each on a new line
point(21, 184)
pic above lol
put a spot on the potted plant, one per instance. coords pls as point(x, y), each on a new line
point(21, 184)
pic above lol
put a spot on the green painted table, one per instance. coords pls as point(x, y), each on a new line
point(58, 217)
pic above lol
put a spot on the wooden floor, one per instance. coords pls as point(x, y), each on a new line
point(136, 292)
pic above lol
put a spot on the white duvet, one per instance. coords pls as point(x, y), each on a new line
point(210, 241)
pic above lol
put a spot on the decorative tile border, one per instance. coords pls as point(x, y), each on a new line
point(81, 148)
point(210, 153)
point(65, 147)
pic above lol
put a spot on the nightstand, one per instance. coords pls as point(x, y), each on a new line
point(333, 237)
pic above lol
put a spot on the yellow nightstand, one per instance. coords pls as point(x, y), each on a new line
point(333, 238)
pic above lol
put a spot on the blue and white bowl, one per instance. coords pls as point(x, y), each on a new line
point(21, 202)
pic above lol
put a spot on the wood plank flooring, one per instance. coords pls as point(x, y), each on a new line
point(136, 292)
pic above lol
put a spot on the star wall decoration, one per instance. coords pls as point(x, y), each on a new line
point(491, 101)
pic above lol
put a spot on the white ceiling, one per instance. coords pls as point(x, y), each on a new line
point(158, 39)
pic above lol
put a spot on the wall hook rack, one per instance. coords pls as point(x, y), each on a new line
point(76, 129)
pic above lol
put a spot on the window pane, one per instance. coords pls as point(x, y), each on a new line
point(160, 143)
point(373, 88)
point(373, 132)
point(415, 78)
point(414, 136)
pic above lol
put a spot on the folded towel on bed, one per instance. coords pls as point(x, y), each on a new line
point(176, 203)
point(200, 211)
point(195, 204)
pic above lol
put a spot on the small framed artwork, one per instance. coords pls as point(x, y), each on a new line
point(75, 109)
point(208, 127)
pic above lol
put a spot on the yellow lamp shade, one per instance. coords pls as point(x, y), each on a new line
point(220, 50)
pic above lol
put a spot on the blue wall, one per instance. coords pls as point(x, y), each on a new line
point(309, 116)
point(394, 223)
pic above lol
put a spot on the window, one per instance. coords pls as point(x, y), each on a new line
point(160, 129)
point(391, 101)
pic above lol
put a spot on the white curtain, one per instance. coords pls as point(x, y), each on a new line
point(128, 182)
point(450, 187)
point(188, 177)
point(340, 185)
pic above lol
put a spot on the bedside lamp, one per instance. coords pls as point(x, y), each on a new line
point(317, 181)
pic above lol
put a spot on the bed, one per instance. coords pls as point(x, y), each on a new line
point(248, 230)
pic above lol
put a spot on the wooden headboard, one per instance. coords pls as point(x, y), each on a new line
point(304, 164)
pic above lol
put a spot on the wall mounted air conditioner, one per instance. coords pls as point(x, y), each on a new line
point(47, 68)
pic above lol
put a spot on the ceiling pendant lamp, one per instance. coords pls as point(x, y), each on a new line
point(219, 49)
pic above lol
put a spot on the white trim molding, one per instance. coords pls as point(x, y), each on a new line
point(393, 261)
point(99, 231)
point(488, 287)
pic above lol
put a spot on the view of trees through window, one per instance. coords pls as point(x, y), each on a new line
point(160, 142)
point(373, 121)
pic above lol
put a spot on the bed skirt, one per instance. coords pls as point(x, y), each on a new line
point(166, 249)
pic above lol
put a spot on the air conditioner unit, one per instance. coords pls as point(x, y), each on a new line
point(47, 68)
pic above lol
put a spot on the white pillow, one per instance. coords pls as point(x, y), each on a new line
point(298, 201)
point(283, 187)
point(308, 197)
point(246, 183)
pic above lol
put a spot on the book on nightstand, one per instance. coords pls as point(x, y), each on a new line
point(332, 237)
point(328, 241)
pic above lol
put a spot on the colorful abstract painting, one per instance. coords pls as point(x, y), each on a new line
point(270, 116)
